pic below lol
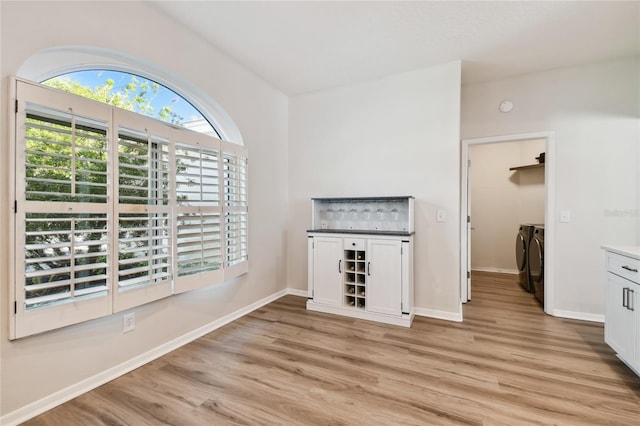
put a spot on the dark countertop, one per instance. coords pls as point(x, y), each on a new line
point(383, 198)
point(360, 231)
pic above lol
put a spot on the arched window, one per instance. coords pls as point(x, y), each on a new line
point(134, 93)
point(113, 208)
point(60, 60)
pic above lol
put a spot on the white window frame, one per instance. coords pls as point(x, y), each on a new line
point(27, 322)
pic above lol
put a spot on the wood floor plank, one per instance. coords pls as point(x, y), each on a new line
point(507, 364)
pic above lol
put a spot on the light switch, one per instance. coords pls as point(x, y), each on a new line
point(440, 216)
point(565, 216)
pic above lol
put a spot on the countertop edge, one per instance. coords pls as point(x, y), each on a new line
point(381, 198)
point(359, 232)
point(631, 251)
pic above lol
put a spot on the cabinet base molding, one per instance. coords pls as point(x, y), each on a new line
point(633, 368)
point(404, 320)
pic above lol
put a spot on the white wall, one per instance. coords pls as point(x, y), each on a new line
point(594, 111)
point(394, 136)
point(502, 199)
point(37, 366)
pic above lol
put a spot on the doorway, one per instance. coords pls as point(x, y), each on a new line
point(548, 141)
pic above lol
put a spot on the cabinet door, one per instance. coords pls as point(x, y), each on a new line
point(384, 276)
point(620, 330)
point(635, 303)
point(327, 270)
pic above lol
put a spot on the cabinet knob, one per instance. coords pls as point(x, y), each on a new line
point(353, 244)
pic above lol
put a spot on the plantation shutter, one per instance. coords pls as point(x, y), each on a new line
point(235, 209)
point(198, 212)
point(62, 211)
point(115, 210)
point(143, 210)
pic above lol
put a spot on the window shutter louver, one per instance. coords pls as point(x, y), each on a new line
point(143, 210)
point(199, 239)
point(235, 209)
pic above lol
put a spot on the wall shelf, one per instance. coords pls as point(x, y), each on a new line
point(530, 166)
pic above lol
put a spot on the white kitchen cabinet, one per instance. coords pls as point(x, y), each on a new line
point(622, 319)
point(371, 278)
point(620, 322)
point(325, 257)
point(361, 258)
point(384, 269)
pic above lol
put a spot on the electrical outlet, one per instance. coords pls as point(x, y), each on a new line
point(129, 322)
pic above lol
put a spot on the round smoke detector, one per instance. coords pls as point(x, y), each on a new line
point(506, 106)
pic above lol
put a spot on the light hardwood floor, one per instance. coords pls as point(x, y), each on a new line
point(507, 364)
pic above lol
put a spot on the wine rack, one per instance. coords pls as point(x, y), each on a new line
point(355, 294)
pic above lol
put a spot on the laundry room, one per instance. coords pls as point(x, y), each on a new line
point(506, 191)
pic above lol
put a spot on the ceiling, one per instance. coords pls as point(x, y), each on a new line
point(300, 47)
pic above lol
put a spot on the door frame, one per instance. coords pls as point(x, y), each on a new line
point(549, 212)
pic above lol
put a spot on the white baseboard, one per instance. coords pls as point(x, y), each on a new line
point(497, 270)
point(403, 320)
point(298, 292)
point(582, 316)
point(443, 315)
point(423, 312)
point(38, 407)
point(457, 317)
